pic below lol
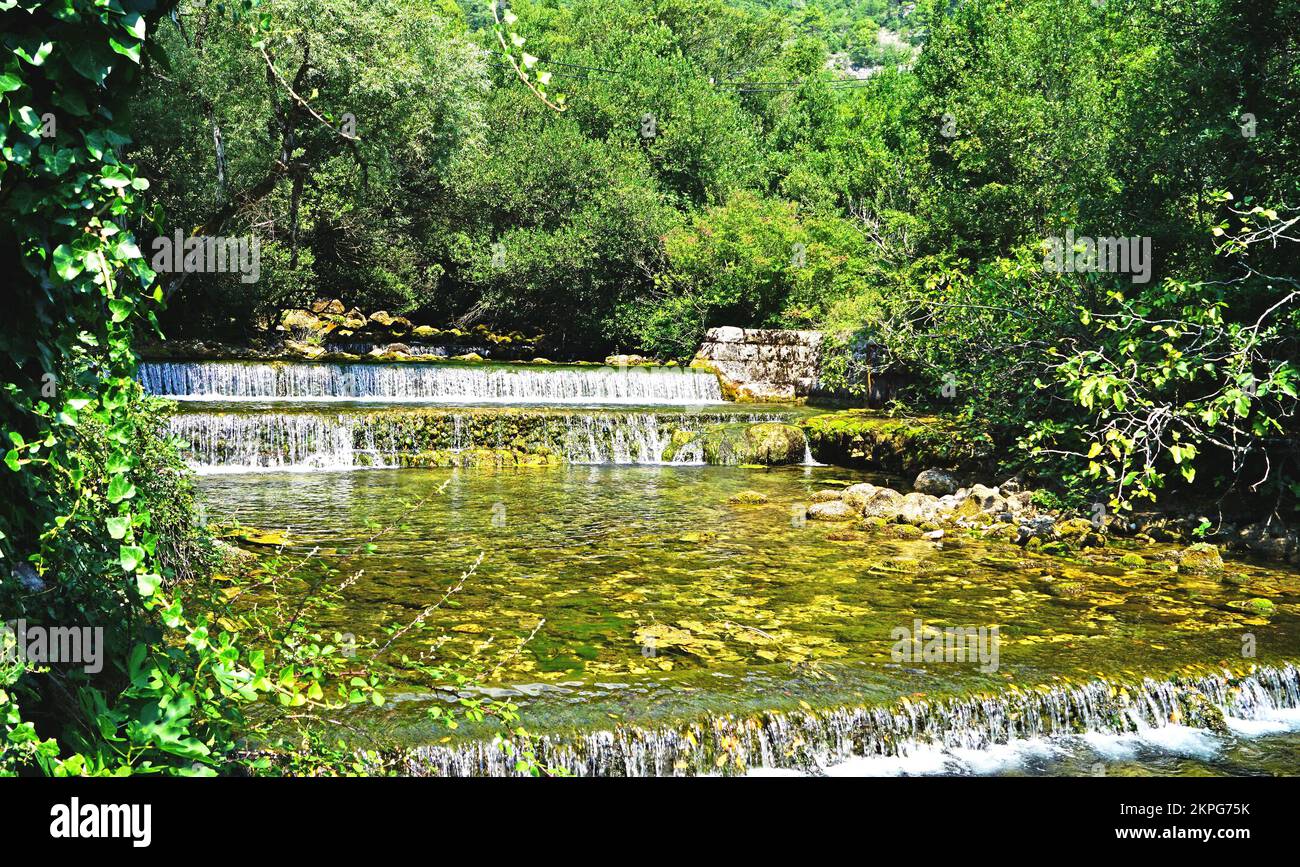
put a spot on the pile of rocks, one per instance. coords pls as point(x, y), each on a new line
point(328, 327)
point(938, 504)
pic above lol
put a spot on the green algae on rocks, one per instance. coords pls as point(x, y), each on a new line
point(872, 439)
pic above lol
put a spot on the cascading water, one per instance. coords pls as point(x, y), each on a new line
point(814, 741)
point(429, 383)
point(248, 441)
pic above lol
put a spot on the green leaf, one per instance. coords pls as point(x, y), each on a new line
point(34, 53)
point(130, 556)
point(66, 263)
point(117, 526)
point(148, 583)
point(119, 489)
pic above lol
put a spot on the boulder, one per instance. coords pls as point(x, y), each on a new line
point(1042, 528)
point(1080, 533)
point(884, 503)
point(306, 350)
point(918, 508)
point(775, 443)
point(328, 305)
point(626, 360)
point(947, 504)
point(1200, 559)
point(747, 498)
point(936, 482)
point(303, 320)
point(382, 318)
point(831, 510)
point(858, 495)
point(28, 578)
point(988, 499)
point(826, 495)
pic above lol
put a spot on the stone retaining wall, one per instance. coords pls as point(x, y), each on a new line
point(762, 364)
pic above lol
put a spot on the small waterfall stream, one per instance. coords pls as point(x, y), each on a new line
point(429, 383)
point(813, 741)
point(250, 441)
point(419, 414)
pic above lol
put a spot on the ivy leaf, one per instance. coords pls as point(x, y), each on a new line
point(132, 51)
point(148, 583)
point(119, 489)
point(66, 263)
point(130, 556)
point(135, 24)
point(117, 526)
point(35, 55)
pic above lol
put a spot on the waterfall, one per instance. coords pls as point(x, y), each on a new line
point(429, 383)
point(813, 740)
point(301, 440)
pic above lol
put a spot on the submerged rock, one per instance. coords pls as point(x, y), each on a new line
point(825, 495)
point(1261, 606)
point(747, 498)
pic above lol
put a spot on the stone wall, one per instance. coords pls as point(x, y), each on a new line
point(762, 364)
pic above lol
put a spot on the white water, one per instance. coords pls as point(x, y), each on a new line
point(429, 383)
point(1082, 728)
point(238, 442)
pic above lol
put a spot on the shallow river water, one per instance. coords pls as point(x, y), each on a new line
point(662, 605)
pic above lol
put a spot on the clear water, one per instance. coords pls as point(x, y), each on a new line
point(663, 602)
point(650, 621)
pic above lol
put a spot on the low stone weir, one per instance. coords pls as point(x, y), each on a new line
point(812, 741)
point(247, 441)
point(436, 382)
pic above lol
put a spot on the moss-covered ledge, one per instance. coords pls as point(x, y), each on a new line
point(872, 439)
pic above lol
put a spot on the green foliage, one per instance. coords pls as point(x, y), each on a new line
point(97, 519)
point(1178, 372)
point(76, 515)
